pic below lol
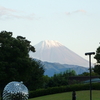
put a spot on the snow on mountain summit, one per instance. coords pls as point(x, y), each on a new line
point(50, 43)
point(53, 51)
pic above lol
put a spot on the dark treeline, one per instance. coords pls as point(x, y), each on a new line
point(58, 79)
point(62, 79)
point(15, 63)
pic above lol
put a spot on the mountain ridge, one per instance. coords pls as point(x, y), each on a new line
point(54, 52)
point(56, 68)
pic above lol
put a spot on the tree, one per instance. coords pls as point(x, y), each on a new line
point(15, 63)
point(97, 57)
point(88, 74)
point(60, 79)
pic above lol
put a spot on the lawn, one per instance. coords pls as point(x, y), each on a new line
point(80, 95)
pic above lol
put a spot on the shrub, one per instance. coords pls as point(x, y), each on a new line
point(53, 90)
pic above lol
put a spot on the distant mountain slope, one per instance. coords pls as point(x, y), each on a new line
point(55, 68)
point(53, 51)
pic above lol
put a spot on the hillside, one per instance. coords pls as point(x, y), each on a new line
point(55, 52)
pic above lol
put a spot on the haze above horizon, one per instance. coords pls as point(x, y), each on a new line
point(75, 24)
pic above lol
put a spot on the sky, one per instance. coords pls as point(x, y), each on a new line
point(73, 23)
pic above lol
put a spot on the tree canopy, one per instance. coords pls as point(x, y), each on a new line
point(15, 63)
point(59, 79)
point(97, 57)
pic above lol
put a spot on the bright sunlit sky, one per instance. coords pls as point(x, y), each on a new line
point(73, 23)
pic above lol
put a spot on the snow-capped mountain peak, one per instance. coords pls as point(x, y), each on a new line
point(55, 52)
point(50, 43)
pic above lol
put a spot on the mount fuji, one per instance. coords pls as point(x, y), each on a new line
point(55, 52)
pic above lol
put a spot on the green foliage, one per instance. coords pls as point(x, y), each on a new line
point(15, 64)
point(97, 57)
point(80, 95)
point(61, 89)
point(36, 76)
point(97, 69)
point(60, 79)
point(88, 74)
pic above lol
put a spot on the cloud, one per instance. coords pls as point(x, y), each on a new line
point(6, 13)
point(68, 13)
point(77, 11)
point(82, 11)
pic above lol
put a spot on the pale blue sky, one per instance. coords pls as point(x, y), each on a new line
point(73, 23)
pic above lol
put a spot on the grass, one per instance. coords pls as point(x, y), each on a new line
point(80, 95)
